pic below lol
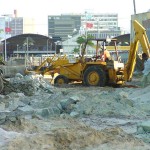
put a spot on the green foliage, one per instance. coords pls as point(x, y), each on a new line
point(76, 50)
point(83, 41)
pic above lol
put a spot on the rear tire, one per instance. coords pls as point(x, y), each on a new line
point(94, 76)
point(61, 80)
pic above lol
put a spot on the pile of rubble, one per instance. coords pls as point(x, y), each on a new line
point(36, 115)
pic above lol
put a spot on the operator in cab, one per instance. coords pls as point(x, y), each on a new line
point(105, 55)
point(146, 70)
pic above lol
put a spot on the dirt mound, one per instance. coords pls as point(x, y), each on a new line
point(76, 138)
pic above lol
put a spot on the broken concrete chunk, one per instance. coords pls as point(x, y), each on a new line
point(2, 106)
point(74, 114)
point(2, 117)
point(144, 127)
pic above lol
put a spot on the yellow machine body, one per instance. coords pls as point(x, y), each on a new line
point(94, 71)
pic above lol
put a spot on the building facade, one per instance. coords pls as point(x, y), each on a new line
point(144, 19)
point(5, 27)
point(12, 26)
point(98, 25)
point(16, 25)
point(101, 25)
point(63, 25)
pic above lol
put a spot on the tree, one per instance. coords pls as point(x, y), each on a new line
point(83, 42)
point(76, 50)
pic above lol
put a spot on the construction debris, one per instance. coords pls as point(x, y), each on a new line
point(36, 115)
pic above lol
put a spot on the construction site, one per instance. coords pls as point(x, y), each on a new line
point(69, 102)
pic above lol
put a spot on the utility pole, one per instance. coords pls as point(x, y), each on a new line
point(47, 45)
point(134, 5)
point(6, 15)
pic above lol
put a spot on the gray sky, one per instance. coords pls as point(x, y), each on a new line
point(39, 10)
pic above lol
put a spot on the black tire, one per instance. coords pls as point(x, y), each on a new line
point(1, 84)
point(94, 76)
point(61, 80)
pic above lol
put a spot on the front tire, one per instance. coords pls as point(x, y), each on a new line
point(94, 76)
point(60, 80)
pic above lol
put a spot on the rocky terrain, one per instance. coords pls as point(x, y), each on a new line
point(35, 115)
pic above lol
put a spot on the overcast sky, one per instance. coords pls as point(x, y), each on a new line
point(40, 9)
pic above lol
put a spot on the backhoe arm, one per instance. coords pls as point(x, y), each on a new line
point(140, 37)
point(47, 60)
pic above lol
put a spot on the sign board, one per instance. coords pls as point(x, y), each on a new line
point(61, 50)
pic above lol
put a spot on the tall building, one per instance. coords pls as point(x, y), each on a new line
point(63, 25)
point(98, 25)
point(20, 25)
point(13, 26)
point(16, 25)
point(101, 25)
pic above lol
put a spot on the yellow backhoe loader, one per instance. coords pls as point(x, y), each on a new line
point(94, 71)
